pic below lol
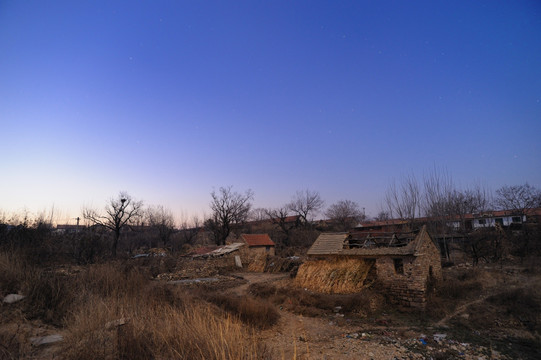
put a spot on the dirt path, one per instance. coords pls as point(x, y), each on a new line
point(459, 310)
point(255, 278)
point(335, 337)
point(298, 337)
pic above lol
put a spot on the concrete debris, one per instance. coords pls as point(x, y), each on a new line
point(238, 263)
point(44, 340)
point(11, 298)
point(439, 337)
point(151, 252)
point(193, 281)
point(223, 250)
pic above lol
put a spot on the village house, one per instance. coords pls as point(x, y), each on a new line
point(404, 265)
point(258, 244)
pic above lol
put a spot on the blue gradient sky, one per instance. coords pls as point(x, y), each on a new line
point(170, 99)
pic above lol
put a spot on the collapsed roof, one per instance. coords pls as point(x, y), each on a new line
point(368, 244)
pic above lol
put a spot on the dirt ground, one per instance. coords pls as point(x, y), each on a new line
point(476, 328)
point(338, 337)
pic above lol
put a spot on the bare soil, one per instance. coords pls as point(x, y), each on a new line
point(337, 336)
point(491, 312)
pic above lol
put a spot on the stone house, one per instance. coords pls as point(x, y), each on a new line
point(404, 265)
point(257, 244)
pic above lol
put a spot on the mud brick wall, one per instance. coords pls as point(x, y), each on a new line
point(407, 288)
point(257, 251)
point(405, 278)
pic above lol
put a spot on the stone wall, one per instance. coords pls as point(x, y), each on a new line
point(405, 278)
point(257, 251)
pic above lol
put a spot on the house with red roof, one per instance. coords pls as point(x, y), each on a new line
point(258, 244)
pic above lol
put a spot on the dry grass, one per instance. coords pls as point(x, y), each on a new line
point(258, 263)
point(338, 276)
point(13, 344)
point(157, 330)
point(160, 321)
point(259, 314)
point(276, 264)
point(309, 303)
point(114, 311)
point(113, 279)
point(14, 272)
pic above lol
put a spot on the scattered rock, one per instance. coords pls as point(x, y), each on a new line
point(439, 337)
point(44, 340)
point(11, 298)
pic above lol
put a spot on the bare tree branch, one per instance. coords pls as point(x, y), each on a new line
point(306, 204)
point(120, 211)
point(229, 210)
point(345, 214)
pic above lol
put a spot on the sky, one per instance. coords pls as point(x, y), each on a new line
point(170, 100)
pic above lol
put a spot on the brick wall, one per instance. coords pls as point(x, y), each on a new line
point(404, 278)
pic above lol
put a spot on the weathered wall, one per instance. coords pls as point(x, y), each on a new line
point(405, 278)
point(255, 251)
point(407, 288)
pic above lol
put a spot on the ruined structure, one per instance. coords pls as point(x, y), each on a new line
point(404, 265)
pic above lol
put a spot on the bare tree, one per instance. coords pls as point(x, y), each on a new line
point(119, 212)
point(279, 216)
point(229, 210)
point(518, 198)
point(257, 214)
point(438, 188)
point(189, 229)
point(345, 214)
point(162, 222)
point(306, 204)
point(382, 216)
point(469, 201)
point(404, 201)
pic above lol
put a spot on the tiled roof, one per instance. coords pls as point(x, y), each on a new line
point(257, 239)
point(328, 243)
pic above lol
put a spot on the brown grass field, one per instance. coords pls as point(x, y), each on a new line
point(127, 309)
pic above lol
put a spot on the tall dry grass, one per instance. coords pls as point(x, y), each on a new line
point(115, 311)
point(337, 276)
point(257, 313)
point(154, 329)
point(15, 272)
point(122, 314)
